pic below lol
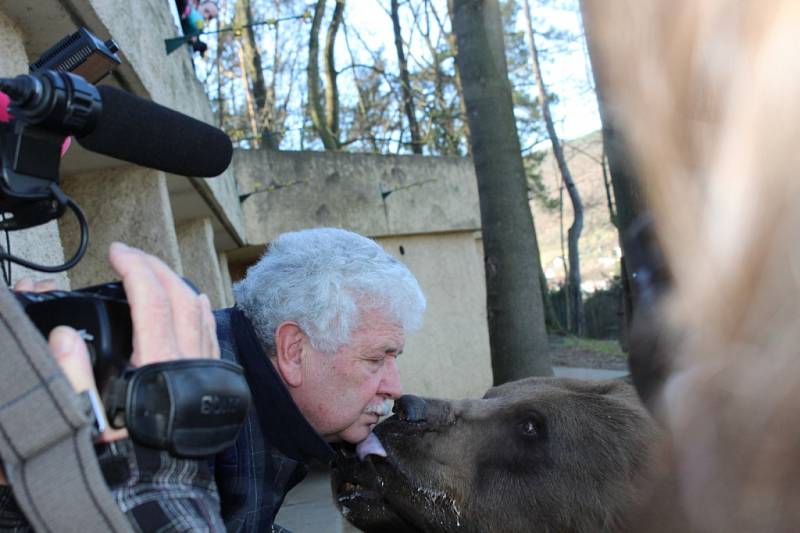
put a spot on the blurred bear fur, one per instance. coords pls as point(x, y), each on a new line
point(707, 94)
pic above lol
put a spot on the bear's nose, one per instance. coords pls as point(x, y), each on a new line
point(410, 408)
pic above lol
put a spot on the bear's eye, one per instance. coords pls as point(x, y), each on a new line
point(531, 427)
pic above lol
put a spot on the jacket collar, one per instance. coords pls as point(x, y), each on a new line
point(283, 424)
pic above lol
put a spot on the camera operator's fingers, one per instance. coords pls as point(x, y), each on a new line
point(154, 337)
point(210, 344)
point(25, 284)
point(72, 356)
point(190, 314)
point(45, 285)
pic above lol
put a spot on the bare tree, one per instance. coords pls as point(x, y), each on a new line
point(405, 83)
point(517, 333)
point(324, 118)
point(575, 301)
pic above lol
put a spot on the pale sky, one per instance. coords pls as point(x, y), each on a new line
point(565, 71)
point(568, 75)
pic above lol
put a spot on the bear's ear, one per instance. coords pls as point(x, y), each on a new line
point(289, 342)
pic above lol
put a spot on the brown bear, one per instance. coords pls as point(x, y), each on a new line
point(539, 454)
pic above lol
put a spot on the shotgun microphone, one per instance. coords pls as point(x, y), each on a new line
point(119, 124)
point(139, 131)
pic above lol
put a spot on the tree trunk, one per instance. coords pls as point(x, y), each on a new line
point(451, 38)
point(628, 196)
point(315, 108)
point(251, 58)
point(331, 87)
point(405, 83)
point(218, 62)
point(444, 137)
point(612, 215)
point(517, 334)
point(551, 319)
point(574, 232)
point(248, 95)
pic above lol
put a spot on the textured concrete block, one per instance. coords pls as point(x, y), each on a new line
point(199, 258)
point(454, 339)
point(128, 204)
point(13, 60)
point(371, 194)
point(227, 283)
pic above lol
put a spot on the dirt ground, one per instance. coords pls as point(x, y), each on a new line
point(587, 353)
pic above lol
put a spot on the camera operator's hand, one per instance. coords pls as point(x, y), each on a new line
point(72, 356)
point(28, 285)
point(170, 321)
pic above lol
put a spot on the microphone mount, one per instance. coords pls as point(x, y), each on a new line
point(46, 108)
point(56, 100)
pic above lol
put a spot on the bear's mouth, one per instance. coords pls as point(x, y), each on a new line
point(348, 492)
point(353, 478)
point(377, 493)
point(358, 490)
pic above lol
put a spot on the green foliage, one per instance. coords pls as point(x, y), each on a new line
point(602, 310)
point(608, 347)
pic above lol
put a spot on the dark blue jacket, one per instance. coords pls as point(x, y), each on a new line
point(276, 441)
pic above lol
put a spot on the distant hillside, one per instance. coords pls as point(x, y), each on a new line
point(599, 245)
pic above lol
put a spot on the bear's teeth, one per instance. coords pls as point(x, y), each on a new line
point(370, 446)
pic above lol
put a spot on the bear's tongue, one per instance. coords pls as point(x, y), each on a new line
point(370, 446)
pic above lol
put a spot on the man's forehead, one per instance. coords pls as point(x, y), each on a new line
point(378, 321)
point(379, 335)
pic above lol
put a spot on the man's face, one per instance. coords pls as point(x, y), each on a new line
point(342, 394)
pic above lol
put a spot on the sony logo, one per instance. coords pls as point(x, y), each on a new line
point(214, 404)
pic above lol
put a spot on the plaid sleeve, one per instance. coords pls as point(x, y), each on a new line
point(11, 518)
point(159, 492)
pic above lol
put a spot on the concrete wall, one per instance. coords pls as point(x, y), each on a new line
point(128, 204)
point(371, 194)
point(423, 210)
point(449, 356)
point(226, 280)
point(200, 261)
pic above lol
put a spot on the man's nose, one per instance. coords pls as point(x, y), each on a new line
point(390, 384)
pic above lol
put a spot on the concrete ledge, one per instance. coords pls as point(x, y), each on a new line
point(376, 195)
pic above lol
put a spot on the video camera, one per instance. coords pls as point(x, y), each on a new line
point(58, 99)
point(48, 106)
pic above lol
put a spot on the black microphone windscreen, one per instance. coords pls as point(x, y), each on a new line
point(142, 132)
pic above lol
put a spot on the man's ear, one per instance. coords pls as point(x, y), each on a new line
point(289, 341)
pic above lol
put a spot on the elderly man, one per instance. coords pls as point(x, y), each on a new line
point(318, 325)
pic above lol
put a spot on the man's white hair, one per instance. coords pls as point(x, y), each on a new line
point(323, 279)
